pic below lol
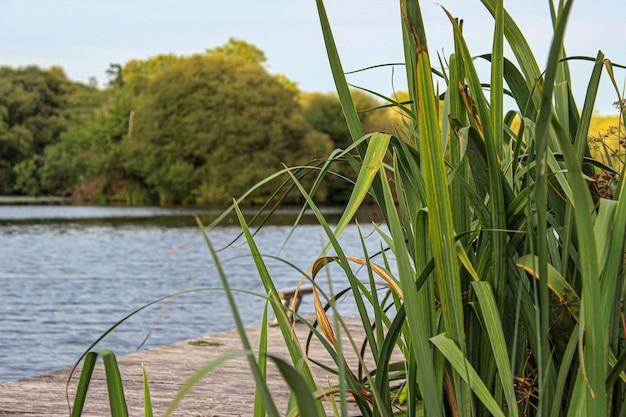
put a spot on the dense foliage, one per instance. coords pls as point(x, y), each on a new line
point(210, 128)
point(168, 129)
point(36, 109)
point(501, 286)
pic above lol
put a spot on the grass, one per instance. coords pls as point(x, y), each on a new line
point(508, 241)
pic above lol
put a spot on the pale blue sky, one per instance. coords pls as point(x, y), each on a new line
point(85, 36)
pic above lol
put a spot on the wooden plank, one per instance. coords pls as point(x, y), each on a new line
point(227, 391)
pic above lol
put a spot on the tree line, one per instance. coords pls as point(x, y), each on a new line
point(170, 129)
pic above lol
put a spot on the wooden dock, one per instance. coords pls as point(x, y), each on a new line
point(227, 391)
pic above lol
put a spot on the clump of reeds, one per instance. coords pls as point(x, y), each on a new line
point(507, 293)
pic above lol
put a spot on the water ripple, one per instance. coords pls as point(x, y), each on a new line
point(64, 284)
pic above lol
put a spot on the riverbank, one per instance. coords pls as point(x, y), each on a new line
point(227, 391)
point(23, 199)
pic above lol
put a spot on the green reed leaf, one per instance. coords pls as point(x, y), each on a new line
point(259, 410)
point(372, 163)
point(490, 315)
point(307, 405)
point(254, 368)
point(117, 401)
point(201, 373)
point(594, 361)
point(83, 383)
point(518, 44)
point(147, 400)
point(464, 369)
point(349, 110)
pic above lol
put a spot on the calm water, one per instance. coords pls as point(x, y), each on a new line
point(69, 273)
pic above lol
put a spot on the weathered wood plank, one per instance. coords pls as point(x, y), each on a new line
point(227, 391)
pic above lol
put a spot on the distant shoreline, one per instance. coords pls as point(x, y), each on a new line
point(21, 199)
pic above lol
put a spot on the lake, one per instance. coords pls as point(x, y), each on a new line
point(68, 273)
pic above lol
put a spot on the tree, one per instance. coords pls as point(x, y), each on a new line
point(212, 126)
point(238, 49)
point(35, 106)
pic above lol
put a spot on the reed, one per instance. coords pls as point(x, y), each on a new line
point(506, 298)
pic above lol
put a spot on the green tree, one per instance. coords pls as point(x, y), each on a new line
point(35, 106)
point(212, 126)
point(238, 49)
point(82, 154)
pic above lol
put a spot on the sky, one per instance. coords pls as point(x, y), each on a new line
point(85, 36)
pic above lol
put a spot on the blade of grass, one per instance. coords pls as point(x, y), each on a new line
point(306, 403)
point(83, 384)
point(201, 373)
point(594, 361)
point(147, 400)
point(493, 326)
point(464, 369)
point(372, 162)
point(418, 311)
point(259, 410)
point(542, 134)
point(254, 368)
point(117, 401)
point(440, 221)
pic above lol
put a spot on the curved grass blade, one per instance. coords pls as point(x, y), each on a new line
point(259, 410)
point(285, 325)
point(493, 326)
point(147, 400)
point(299, 388)
point(201, 373)
point(83, 384)
point(372, 163)
point(594, 361)
point(117, 401)
point(464, 369)
point(393, 284)
point(254, 368)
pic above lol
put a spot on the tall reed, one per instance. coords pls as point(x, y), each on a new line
point(520, 313)
point(508, 285)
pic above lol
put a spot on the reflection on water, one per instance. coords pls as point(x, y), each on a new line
point(69, 273)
